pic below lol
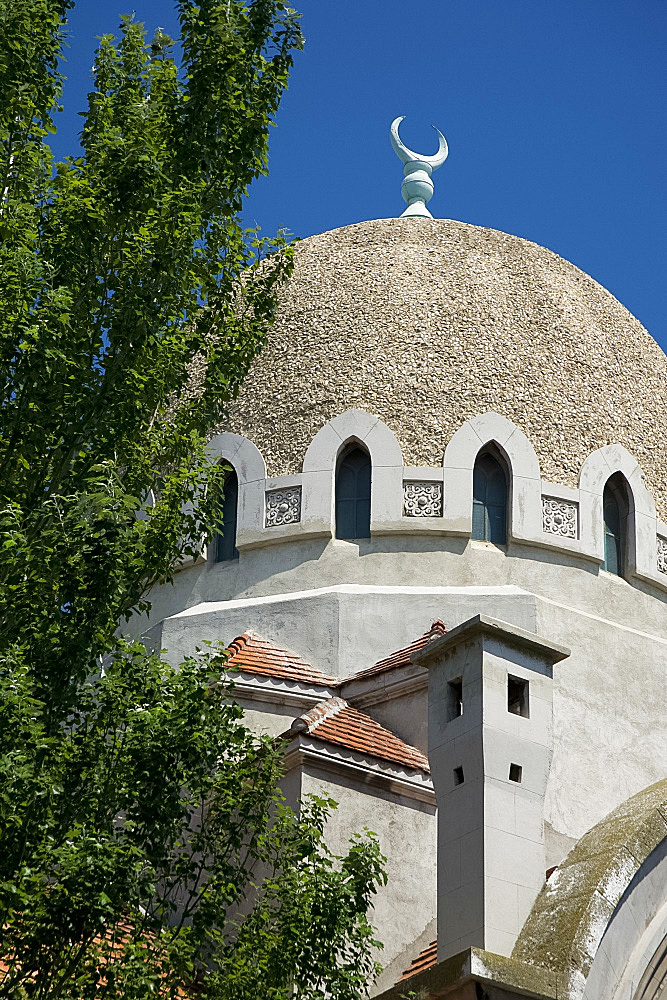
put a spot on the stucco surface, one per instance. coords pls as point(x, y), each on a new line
point(428, 323)
point(571, 913)
point(403, 909)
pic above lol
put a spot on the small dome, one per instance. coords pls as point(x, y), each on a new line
point(429, 323)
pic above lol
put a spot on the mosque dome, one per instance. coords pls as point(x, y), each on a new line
point(427, 323)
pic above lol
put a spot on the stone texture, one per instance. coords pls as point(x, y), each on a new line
point(428, 323)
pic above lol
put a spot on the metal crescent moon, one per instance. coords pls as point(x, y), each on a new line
point(406, 155)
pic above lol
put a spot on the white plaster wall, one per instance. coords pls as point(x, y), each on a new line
point(407, 716)
point(411, 561)
point(609, 696)
point(404, 909)
point(272, 720)
point(366, 601)
point(345, 628)
point(610, 734)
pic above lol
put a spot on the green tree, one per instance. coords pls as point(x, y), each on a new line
point(137, 814)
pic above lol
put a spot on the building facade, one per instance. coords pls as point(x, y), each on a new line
point(443, 576)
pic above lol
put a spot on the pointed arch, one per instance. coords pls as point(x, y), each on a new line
point(246, 457)
point(353, 425)
point(490, 432)
point(250, 480)
point(616, 515)
point(354, 428)
point(637, 508)
point(489, 498)
point(353, 493)
point(224, 540)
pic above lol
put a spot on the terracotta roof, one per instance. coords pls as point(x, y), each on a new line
point(426, 959)
point(401, 657)
point(252, 654)
point(334, 721)
point(111, 945)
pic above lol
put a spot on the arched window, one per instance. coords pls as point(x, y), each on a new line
point(615, 512)
point(225, 538)
point(489, 500)
point(353, 494)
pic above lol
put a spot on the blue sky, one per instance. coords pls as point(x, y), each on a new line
point(554, 111)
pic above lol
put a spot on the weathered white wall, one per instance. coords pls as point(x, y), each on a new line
point(406, 716)
point(273, 720)
point(411, 561)
point(610, 702)
point(404, 909)
point(366, 601)
point(341, 629)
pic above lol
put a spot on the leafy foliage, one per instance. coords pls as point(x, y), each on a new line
point(143, 848)
point(134, 837)
point(125, 275)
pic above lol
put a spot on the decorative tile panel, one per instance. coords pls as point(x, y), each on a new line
point(662, 554)
point(421, 499)
point(560, 517)
point(283, 506)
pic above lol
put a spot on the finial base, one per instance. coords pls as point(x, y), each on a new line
point(416, 211)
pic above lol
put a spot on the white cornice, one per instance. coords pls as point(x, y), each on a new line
point(396, 682)
point(367, 771)
point(278, 691)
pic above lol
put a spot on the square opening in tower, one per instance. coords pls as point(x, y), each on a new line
point(517, 696)
point(455, 698)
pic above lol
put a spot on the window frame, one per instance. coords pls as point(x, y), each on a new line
point(219, 539)
point(488, 533)
point(617, 491)
point(362, 503)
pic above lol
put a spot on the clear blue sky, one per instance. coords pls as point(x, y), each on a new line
point(554, 110)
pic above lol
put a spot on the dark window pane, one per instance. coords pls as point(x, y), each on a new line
point(347, 482)
point(478, 519)
point(363, 519)
point(612, 562)
point(497, 524)
point(353, 495)
point(613, 531)
point(346, 519)
point(489, 505)
point(496, 487)
point(225, 539)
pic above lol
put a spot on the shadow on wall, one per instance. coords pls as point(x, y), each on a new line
point(222, 581)
point(453, 544)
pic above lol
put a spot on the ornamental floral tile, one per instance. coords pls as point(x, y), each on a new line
point(560, 517)
point(283, 506)
point(422, 499)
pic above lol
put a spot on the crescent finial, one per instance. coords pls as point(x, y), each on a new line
point(406, 155)
point(417, 186)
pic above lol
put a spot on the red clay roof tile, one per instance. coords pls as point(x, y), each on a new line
point(426, 959)
point(402, 656)
point(252, 654)
point(334, 721)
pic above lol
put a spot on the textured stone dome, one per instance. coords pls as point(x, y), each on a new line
point(428, 323)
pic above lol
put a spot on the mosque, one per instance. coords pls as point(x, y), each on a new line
point(443, 581)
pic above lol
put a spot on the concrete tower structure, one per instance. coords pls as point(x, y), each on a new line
point(443, 578)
